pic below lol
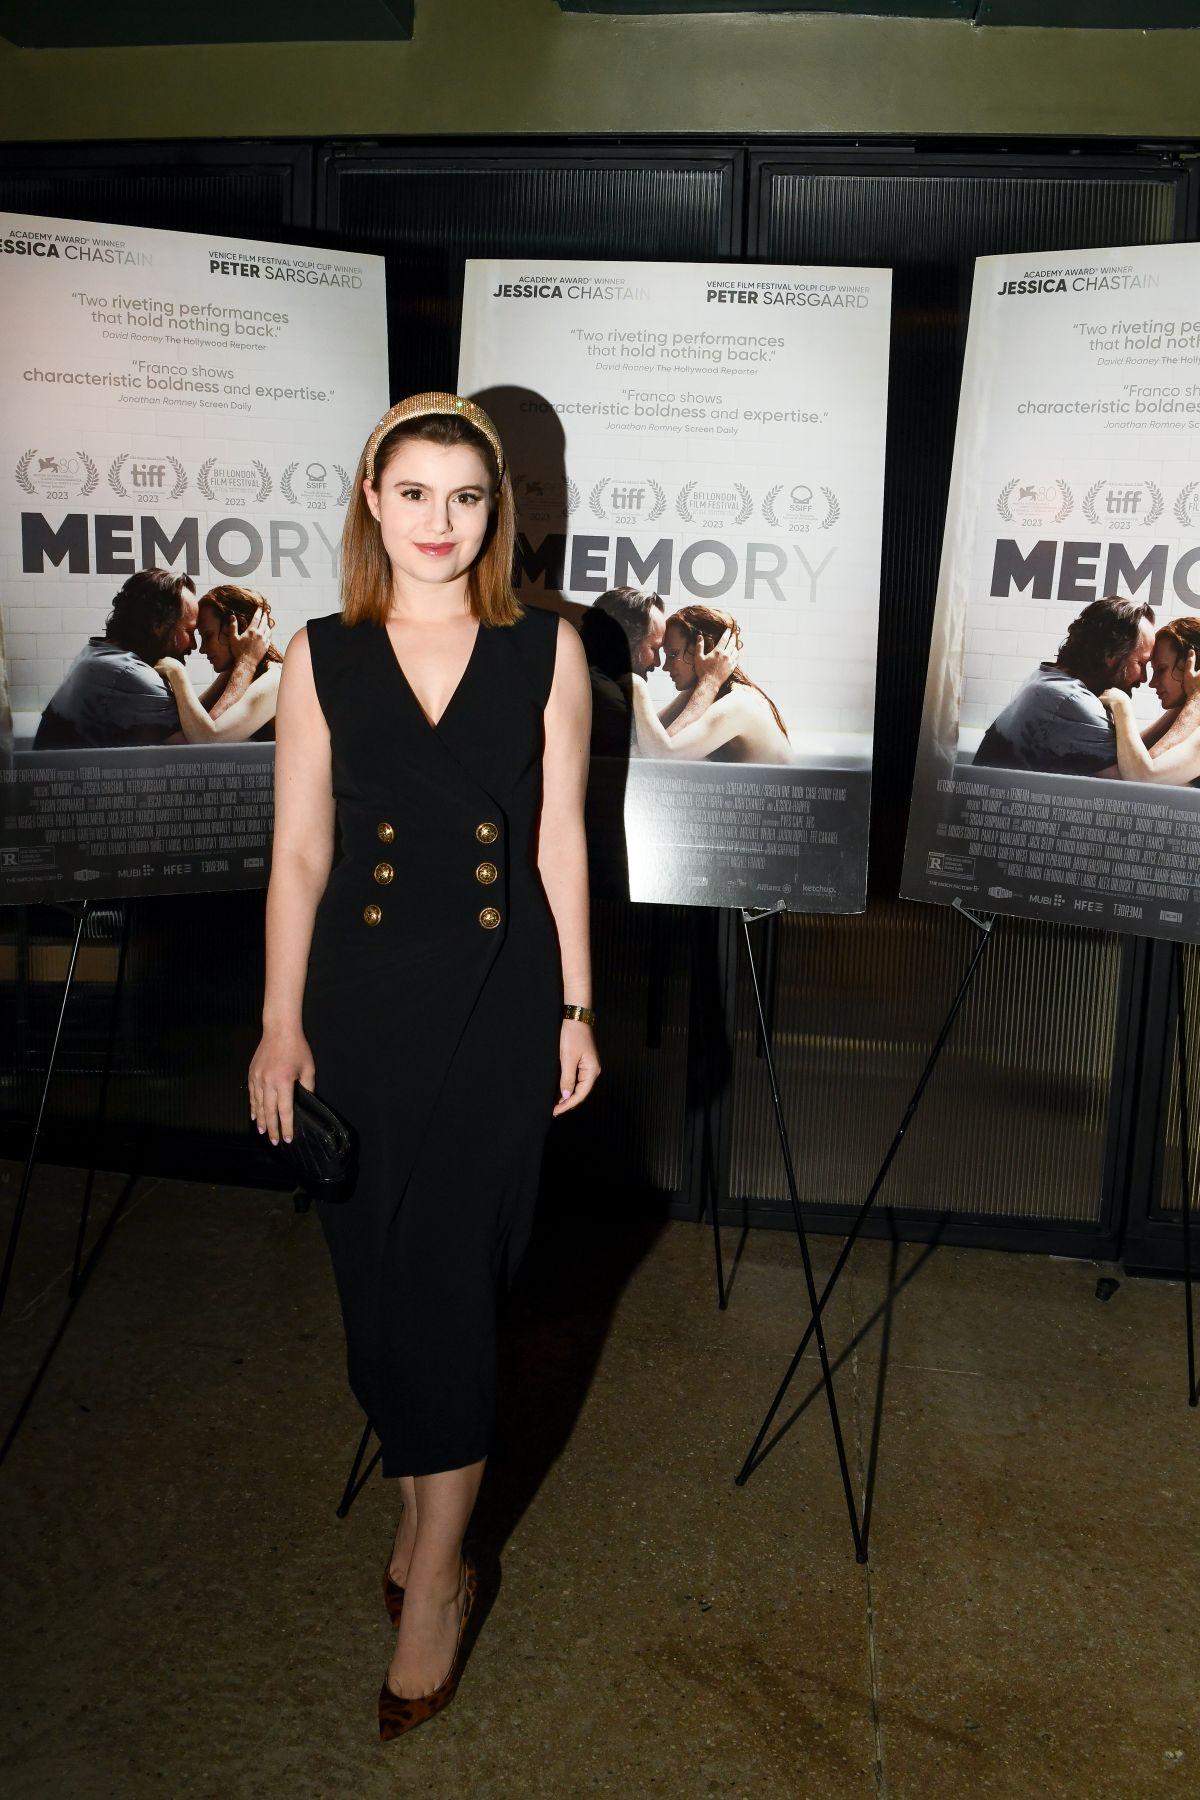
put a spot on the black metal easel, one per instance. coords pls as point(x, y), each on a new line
point(87, 915)
point(817, 1304)
point(816, 1326)
point(711, 1027)
point(1185, 1166)
point(354, 1481)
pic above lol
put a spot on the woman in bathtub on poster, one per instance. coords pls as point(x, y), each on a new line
point(739, 723)
point(1168, 752)
point(231, 622)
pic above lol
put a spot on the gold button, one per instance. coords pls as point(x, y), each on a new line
point(383, 873)
point(385, 832)
point(489, 918)
point(372, 914)
point(487, 873)
point(487, 833)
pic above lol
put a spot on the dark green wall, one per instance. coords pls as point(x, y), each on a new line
point(521, 66)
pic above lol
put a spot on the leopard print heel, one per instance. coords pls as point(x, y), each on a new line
point(397, 1714)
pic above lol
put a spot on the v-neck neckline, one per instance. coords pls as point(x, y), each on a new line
point(434, 724)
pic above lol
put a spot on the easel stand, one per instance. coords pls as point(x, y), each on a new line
point(87, 914)
point(354, 1481)
point(1185, 1164)
point(815, 1327)
point(817, 1304)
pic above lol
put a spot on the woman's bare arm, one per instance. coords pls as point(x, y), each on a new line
point(1175, 765)
point(673, 710)
point(301, 858)
point(246, 716)
point(724, 720)
point(1153, 732)
point(562, 854)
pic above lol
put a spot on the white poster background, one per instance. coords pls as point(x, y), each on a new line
point(721, 431)
point(1076, 474)
point(175, 400)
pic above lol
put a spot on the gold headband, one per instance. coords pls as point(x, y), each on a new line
point(419, 406)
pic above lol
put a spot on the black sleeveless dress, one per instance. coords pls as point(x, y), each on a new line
point(432, 1006)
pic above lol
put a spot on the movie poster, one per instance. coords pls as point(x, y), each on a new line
point(190, 405)
point(698, 458)
point(1060, 744)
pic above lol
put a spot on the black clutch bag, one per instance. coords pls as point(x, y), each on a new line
point(322, 1152)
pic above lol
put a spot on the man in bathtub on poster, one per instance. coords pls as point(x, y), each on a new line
point(1074, 716)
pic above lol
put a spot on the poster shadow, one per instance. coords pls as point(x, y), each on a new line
point(590, 1236)
point(533, 437)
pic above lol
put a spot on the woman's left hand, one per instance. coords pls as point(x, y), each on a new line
point(170, 667)
point(254, 641)
point(1115, 699)
point(578, 1064)
point(720, 662)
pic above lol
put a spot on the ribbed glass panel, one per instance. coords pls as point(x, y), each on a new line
point(249, 202)
point(430, 217)
point(1013, 1122)
point(1169, 1197)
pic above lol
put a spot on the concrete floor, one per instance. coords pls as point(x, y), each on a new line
point(186, 1616)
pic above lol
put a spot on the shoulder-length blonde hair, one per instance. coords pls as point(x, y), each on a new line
point(366, 580)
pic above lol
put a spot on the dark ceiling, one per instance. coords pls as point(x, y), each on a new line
point(69, 25)
point(74, 24)
point(1130, 15)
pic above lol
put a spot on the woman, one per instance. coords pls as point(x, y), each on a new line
point(719, 713)
point(449, 730)
point(232, 623)
point(1175, 734)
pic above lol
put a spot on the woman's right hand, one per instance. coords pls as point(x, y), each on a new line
point(282, 1059)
